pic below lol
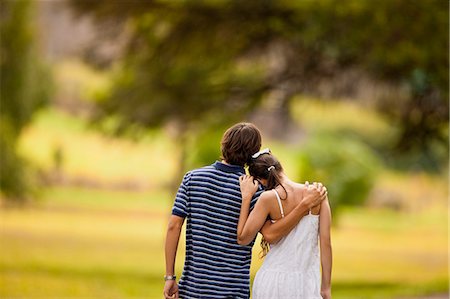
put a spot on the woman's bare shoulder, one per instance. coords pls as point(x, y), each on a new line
point(300, 186)
point(268, 200)
point(266, 196)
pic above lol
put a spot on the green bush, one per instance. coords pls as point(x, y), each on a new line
point(347, 167)
point(204, 148)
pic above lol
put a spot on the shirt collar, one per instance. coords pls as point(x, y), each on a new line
point(229, 168)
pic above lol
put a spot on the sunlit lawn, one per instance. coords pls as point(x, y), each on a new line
point(101, 244)
point(90, 156)
point(90, 243)
point(83, 249)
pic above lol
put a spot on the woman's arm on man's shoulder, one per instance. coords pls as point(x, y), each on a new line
point(250, 223)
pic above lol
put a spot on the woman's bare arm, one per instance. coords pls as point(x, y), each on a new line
point(273, 232)
point(249, 225)
point(325, 248)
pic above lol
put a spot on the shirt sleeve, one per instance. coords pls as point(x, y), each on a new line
point(181, 204)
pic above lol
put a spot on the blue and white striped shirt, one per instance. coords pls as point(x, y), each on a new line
point(215, 266)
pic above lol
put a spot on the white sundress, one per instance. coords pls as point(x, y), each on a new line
point(291, 269)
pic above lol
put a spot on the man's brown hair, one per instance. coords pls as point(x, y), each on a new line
point(239, 143)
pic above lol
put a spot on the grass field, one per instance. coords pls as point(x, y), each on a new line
point(100, 244)
point(91, 156)
point(75, 242)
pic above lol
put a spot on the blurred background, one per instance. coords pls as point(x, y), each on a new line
point(106, 104)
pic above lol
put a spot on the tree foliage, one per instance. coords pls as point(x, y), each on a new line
point(24, 88)
point(187, 61)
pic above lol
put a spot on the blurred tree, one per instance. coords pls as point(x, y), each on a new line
point(409, 50)
point(187, 62)
point(24, 88)
point(347, 166)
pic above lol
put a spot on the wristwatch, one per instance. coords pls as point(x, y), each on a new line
point(169, 277)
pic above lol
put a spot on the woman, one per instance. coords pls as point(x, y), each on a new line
point(291, 268)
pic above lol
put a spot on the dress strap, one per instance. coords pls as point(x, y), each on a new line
point(279, 203)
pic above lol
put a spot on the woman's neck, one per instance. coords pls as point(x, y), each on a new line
point(285, 180)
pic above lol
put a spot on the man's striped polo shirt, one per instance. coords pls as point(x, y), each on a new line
point(215, 266)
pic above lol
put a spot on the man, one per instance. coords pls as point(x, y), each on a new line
point(216, 266)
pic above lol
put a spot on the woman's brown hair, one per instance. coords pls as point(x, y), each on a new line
point(239, 143)
point(266, 166)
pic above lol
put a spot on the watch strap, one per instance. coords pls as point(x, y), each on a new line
point(170, 277)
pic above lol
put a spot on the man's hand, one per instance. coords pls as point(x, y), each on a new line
point(249, 186)
point(171, 289)
point(314, 194)
point(326, 294)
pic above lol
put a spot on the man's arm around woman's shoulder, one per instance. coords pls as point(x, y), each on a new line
point(273, 232)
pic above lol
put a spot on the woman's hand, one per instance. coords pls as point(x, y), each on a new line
point(250, 223)
point(249, 186)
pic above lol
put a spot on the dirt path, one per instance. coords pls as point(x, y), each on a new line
point(437, 296)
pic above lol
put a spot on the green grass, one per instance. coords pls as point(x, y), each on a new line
point(91, 156)
point(79, 243)
point(92, 243)
point(73, 248)
point(98, 199)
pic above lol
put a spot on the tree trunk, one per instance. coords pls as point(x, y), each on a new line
point(180, 138)
point(274, 118)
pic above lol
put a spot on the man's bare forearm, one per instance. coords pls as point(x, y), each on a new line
point(273, 232)
point(172, 238)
